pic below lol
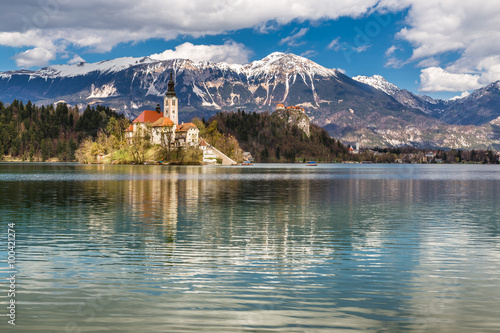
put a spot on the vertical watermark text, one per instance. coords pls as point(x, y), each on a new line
point(11, 262)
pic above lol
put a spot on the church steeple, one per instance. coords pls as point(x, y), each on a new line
point(170, 101)
point(171, 86)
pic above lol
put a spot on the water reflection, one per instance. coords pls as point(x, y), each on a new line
point(269, 248)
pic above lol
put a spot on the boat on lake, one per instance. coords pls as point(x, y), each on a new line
point(247, 163)
point(312, 163)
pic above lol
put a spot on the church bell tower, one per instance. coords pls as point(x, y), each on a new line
point(170, 102)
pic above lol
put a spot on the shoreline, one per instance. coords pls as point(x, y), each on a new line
point(55, 160)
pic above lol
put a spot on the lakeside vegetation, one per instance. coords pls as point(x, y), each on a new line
point(32, 133)
point(96, 135)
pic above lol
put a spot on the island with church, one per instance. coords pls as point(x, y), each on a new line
point(156, 136)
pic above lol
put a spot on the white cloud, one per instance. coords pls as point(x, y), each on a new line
point(434, 79)
point(462, 95)
point(429, 62)
point(230, 52)
point(394, 62)
point(309, 54)
point(76, 60)
point(34, 57)
point(293, 40)
point(334, 44)
point(347, 48)
point(390, 51)
point(465, 28)
point(114, 22)
point(363, 48)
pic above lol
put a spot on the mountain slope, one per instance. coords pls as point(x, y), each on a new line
point(424, 103)
point(478, 108)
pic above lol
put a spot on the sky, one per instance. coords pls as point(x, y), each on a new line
point(441, 48)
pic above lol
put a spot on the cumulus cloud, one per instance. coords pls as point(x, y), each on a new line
point(76, 60)
point(462, 95)
point(230, 52)
point(114, 22)
point(434, 79)
point(438, 28)
point(34, 57)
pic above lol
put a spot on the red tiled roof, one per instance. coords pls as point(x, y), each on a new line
point(130, 129)
point(185, 127)
point(148, 116)
point(163, 121)
point(203, 142)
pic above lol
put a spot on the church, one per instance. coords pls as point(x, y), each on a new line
point(163, 127)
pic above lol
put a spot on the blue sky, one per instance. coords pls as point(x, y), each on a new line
point(440, 48)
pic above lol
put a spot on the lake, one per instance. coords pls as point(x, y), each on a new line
point(263, 248)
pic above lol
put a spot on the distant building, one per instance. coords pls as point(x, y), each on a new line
point(163, 127)
point(429, 156)
point(294, 115)
point(282, 106)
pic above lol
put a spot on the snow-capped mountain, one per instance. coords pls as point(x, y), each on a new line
point(133, 84)
point(424, 103)
point(379, 82)
point(370, 110)
point(477, 108)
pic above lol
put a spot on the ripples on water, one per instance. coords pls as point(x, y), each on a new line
point(269, 248)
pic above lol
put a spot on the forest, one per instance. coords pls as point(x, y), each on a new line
point(272, 139)
point(52, 132)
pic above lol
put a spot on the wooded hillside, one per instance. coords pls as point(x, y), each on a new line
point(271, 139)
point(29, 132)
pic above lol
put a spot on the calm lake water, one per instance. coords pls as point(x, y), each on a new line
point(267, 248)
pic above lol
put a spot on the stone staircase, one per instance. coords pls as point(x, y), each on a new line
point(211, 154)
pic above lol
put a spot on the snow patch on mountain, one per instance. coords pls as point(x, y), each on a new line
point(379, 82)
point(198, 91)
point(285, 63)
point(83, 68)
point(105, 91)
point(153, 91)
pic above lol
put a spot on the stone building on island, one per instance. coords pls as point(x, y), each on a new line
point(163, 127)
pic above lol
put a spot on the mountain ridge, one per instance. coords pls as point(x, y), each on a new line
point(349, 108)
